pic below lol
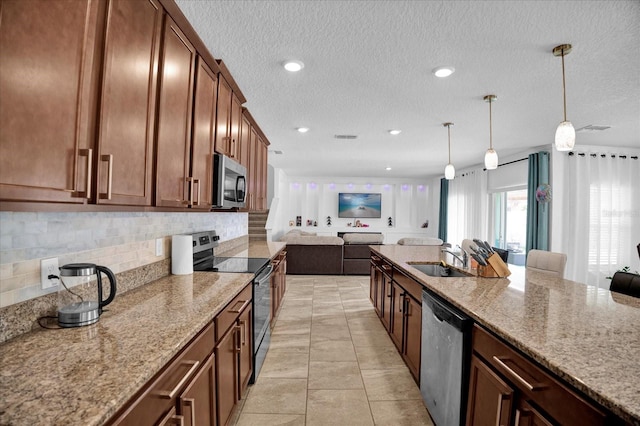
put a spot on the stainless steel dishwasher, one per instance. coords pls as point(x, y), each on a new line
point(444, 360)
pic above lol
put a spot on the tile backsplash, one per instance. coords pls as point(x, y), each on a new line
point(121, 241)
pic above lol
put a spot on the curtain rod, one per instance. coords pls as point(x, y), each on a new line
point(509, 162)
point(594, 155)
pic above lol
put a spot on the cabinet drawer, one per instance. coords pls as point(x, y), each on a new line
point(410, 285)
point(560, 402)
point(230, 313)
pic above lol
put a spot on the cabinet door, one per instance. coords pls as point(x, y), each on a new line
point(203, 136)
point(245, 141)
point(253, 169)
point(226, 352)
point(246, 349)
point(413, 335)
point(373, 285)
point(128, 103)
point(223, 118)
point(490, 398)
point(197, 402)
point(174, 118)
point(397, 315)
point(264, 150)
point(387, 301)
point(235, 120)
point(49, 65)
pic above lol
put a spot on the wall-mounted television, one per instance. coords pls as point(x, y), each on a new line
point(357, 205)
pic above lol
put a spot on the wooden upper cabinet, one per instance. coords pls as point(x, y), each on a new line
point(223, 121)
point(174, 118)
point(245, 141)
point(236, 121)
point(203, 136)
point(49, 68)
point(127, 110)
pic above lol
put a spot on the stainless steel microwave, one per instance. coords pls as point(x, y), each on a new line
point(229, 183)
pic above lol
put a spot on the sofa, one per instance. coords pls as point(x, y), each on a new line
point(311, 254)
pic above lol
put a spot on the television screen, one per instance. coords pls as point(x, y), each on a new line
point(359, 205)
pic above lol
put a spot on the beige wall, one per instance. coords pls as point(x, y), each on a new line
point(120, 241)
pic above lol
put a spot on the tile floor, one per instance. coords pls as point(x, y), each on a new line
point(331, 362)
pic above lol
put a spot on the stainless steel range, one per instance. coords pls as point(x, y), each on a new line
point(205, 260)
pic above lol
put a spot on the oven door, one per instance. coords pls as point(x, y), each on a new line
point(261, 318)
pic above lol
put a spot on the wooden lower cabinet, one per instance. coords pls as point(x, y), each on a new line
point(227, 370)
point(278, 284)
point(204, 382)
point(505, 388)
point(397, 301)
point(490, 398)
point(197, 404)
point(412, 335)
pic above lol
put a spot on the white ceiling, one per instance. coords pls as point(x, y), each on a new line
point(368, 70)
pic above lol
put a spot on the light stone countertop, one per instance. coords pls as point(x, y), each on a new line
point(84, 375)
point(589, 337)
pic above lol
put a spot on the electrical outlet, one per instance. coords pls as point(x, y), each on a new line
point(48, 267)
point(159, 246)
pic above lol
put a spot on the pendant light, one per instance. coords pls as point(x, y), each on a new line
point(491, 156)
point(565, 133)
point(449, 171)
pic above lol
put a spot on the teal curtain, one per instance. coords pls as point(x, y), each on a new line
point(444, 208)
point(537, 213)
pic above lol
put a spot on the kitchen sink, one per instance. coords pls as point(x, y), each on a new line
point(436, 270)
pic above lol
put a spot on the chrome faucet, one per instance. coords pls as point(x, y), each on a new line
point(464, 259)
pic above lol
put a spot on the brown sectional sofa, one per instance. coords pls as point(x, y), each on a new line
point(310, 254)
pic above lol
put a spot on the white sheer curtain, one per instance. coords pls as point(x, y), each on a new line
point(601, 218)
point(467, 211)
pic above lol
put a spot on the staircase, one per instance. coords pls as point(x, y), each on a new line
point(257, 221)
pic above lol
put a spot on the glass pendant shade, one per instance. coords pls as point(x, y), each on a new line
point(449, 172)
point(491, 159)
point(565, 136)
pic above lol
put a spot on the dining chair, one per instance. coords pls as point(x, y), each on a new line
point(546, 261)
point(626, 283)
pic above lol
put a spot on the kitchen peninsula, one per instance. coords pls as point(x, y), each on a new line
point(585, 336)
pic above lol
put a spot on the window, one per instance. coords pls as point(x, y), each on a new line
point(509, 223)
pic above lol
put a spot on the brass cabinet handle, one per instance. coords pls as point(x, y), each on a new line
point(243, 325)
point(237, 331)
point(172, 419)
point(109, 159)
point(192, 407)
point(189, 200)
point(172, 393)
point(87, 192)
point(532, 388)
point(197, 182)
point(244, 305)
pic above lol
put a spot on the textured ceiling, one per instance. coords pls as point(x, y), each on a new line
point(368, 69)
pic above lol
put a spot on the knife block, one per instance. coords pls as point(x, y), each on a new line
point(496, 268)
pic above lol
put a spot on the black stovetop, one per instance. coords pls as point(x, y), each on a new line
point(249, 265)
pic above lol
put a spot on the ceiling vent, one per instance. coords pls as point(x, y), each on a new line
point(345, 136)
point(592, 127)
point(276, 151)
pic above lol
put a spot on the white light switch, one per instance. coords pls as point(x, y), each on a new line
point(159, 246)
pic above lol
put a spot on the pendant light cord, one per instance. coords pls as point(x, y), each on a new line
point(564, 94)
point(449, 133)
point(490, 127)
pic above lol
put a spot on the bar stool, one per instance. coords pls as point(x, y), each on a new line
point(626, 283)
point(547, 262)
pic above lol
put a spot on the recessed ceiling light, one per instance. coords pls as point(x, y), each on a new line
point(303, 129)
point(293, 66)
point(443, 71)
point(388, 168)
point(395, 132)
